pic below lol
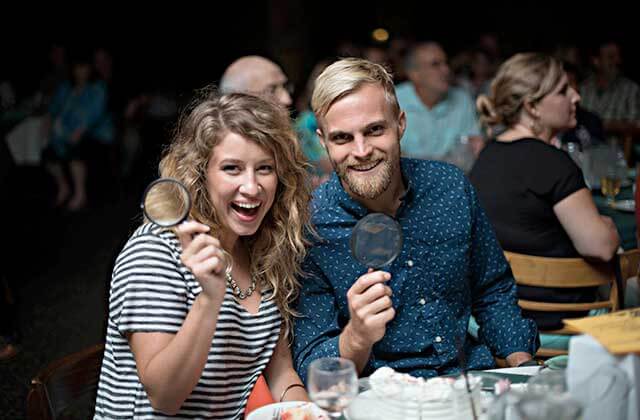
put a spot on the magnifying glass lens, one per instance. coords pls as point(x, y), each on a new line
point(166, 202)
point(376, 240)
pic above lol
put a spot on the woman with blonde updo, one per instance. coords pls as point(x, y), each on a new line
point(533, 192)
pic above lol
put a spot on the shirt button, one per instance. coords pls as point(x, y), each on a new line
point(438, 339)
point(422, 301)
point(409, 263)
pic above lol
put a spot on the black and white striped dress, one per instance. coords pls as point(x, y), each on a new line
point(152, 291)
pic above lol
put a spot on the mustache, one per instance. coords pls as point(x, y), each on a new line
point(364, 162)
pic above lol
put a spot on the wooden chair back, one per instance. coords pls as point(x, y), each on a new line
point(629, 268)
point(63, 382)
point(629, 263)
point(529, 270)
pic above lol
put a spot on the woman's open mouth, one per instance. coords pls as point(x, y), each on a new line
point(246, 211)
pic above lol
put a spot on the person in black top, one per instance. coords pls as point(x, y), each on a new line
point(533, 193)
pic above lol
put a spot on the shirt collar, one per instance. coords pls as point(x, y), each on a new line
point(407, 167)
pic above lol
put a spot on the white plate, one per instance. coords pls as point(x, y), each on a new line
point(267, 412)
point(624, 205)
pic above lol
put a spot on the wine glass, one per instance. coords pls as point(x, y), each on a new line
point(333, 384)
point(534, 406)
point(552, 382)
point(613, 173)
point(462, 154)
point(610, 183)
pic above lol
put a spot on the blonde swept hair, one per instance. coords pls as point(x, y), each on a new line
point(523, 78)
point(279, 246)
point(346, 76)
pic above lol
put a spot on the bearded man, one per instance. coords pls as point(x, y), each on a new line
point(412, 315)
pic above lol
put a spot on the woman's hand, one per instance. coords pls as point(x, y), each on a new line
point(203, 255)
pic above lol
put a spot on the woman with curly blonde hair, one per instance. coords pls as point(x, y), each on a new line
point(199, 312)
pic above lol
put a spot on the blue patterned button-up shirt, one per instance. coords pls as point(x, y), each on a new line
point(451, 266)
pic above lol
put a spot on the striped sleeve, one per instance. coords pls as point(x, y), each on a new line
point(148, 287)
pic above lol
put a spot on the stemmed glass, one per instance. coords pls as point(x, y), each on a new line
point(547, 397)
point(610, 183)
point(614, 171)
point(548, 382)
point(333, 384)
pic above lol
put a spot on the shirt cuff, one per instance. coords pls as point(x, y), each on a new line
point(328, 348)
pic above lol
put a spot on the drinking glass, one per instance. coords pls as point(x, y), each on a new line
point(614, 172)
point(548, 382)
point(534, 406)
point(525, 405)
point(333, 384)
point(462, 154)
point(610, 183)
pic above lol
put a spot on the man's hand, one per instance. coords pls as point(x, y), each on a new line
point(518, 358)
point(370, 308)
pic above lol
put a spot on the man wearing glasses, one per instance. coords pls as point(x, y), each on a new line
point(259, 76)
point(262, 77)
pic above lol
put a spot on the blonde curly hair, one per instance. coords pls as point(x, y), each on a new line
point(279, 246)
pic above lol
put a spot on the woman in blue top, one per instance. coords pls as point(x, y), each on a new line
point(76, 116)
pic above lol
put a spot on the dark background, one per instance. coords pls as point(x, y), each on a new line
point(61, 262)
point(187, 45)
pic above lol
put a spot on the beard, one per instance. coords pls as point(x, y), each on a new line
point(369, 186)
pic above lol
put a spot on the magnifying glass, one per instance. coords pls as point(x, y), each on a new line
point(376, 240)
point(166, 202)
